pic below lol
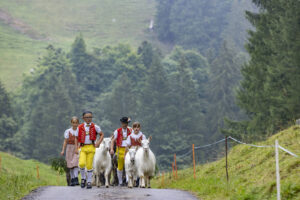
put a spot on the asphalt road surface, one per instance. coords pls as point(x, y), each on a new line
point(112, 193)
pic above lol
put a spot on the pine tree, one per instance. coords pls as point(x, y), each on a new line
point(122, 101)
point(155, 111)
point(196, 63)
point(223, 82)
point(146, 53)
point(8, 125)
point(189, 120)
point(50, 101)
point(270, 92)
point(78, 56)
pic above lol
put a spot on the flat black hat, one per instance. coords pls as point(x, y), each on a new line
point(125, 120)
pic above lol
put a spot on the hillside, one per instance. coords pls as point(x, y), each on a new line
point(19, 177)
point(251, 172)
point(27, 27)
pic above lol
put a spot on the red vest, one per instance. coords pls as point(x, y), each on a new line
point(71, 139)
point(82, 133)
point(136, 142)
point(120, 136)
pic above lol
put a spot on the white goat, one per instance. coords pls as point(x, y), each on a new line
point(102, 161)
point(145, 163)
point(130, 167)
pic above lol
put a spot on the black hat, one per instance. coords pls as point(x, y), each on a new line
point(125, 120)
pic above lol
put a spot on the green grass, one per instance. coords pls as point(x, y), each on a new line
point(251, 173)
point(19, 177)
point(18, 54)
point(102, 22)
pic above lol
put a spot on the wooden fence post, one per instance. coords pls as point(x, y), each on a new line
point(175, 164)
point(194, 163)
point(162, 179)
point(37, 172)
point(277, 170)
point(173, 171)
point(226, 150)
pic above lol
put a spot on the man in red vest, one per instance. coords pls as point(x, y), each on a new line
point(120, 137)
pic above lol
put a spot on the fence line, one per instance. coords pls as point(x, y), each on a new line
point(200, 147)
point(292, 154)
point(277, 146)
point(252, 145)
point(207, 145)
point(238, 141)
point(190, 151)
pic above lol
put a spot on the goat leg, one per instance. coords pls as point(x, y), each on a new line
point(128, 183)
point(142, 181)
point(97, 180)
point(148, 182)
point(106, 180)
point(109, 176)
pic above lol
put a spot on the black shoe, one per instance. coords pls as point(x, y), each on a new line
point(89, 185)
point(76, 181)
point(83, 183)
point(72, 182)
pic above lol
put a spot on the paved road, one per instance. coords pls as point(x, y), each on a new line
point(112, 193)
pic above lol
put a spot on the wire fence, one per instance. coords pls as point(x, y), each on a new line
point(226, 139)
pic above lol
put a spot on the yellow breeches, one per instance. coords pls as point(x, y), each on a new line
point(121, 154)
point(86, 156)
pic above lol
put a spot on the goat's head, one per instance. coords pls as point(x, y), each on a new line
point(131, 153)
point(145, 144)
point(106, 143)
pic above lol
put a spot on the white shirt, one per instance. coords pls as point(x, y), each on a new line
point(70, 130)
point(136, 137)
point(124, 143)
point(87, 130)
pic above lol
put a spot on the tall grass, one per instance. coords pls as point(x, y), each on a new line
point(251, 173)
point(19, 177)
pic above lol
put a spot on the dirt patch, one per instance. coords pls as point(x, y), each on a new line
point(20, 26)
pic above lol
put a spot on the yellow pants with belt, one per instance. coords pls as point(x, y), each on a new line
point(121, 154)
point(86, 156)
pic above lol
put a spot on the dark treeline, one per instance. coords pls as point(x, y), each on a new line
point(167, 94)
point(180, 98)
point(270, 92)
